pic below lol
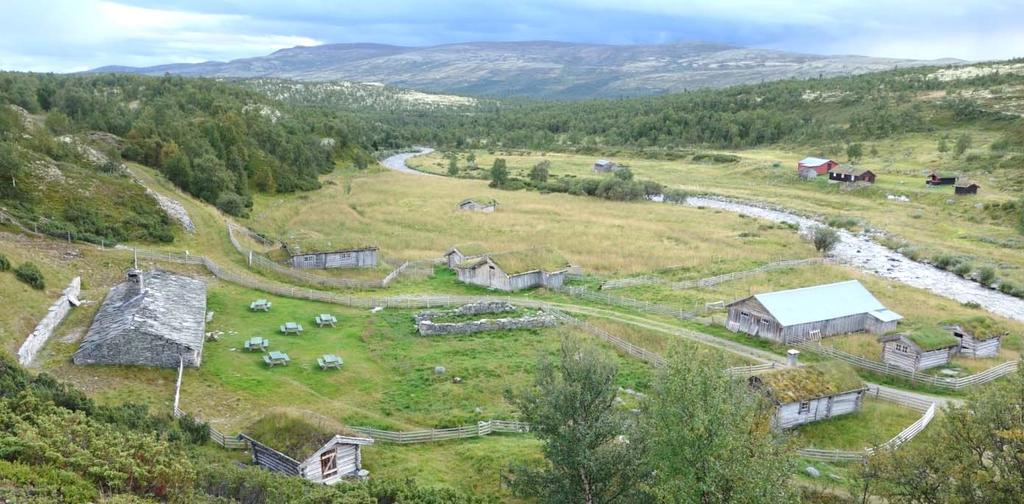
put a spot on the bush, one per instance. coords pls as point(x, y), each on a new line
point(946, 262)
point(231, 204)
point(1008, 287)
point(196, 431)
point(4, 263)
point(986, 275)
point(842, 222)
point(825, 239)
point(30, 274)
point(962, 269)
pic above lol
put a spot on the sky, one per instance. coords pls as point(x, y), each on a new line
point(74, 35)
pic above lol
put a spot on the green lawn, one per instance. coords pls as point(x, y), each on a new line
point(877, 422)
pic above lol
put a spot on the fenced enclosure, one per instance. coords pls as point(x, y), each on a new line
point(612, 299)
point(942, 382)
point(715, 280)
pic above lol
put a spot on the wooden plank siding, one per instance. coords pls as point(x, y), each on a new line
point(364, 258)
point(973, 347)
point(790, 415)
point(905, 355)
point(489, 274)
point(750, 316)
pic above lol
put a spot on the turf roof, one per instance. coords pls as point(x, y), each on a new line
point(522, 261)
point(292, 435)
point(980, 327)
point(471, 249)
point(810, 382)
point(932, 338)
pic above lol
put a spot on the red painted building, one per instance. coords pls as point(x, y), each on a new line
point(821, 166)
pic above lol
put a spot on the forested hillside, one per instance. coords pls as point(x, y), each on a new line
point(215, 140)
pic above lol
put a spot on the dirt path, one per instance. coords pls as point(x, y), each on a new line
point(397, 162)
point(864, 253)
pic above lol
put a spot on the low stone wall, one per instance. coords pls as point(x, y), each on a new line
point(44, 330)
point(428, 328)
point(466, 310)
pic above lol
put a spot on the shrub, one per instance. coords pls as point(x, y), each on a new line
point(4, 263)
point(843, 222)
point(196, 431)
point(963, 269)
point(231, 203)
point(1008, 287)
point(30, 274)
point(946, 262)
point(825, 239)
point(986, 275)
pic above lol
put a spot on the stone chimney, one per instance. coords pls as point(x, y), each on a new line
point(794, 357)
point(135, 275)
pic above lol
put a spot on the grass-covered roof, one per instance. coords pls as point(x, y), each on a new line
point(295, 436)
point(471, 249)
point(522, 261)
point(931, 338)
point(810, 382)
point(980, 327)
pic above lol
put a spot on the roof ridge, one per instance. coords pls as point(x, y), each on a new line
point(809, 287)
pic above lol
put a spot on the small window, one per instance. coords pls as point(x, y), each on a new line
point(308, 258)
point(329, 463)
point(805, 407)
point(900, 347)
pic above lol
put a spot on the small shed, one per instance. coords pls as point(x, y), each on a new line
point(820, 166)
point(514, 271)
point(153, 319)
point(357, 257)
point(811, 393)
point(464, 252)
point(819, 311)
point(851, 174)
point(485, 205)
point(807, 173)
point(936, 178)
point(979, 337)
point(604, 166)
point(919, 350)
point(296, 447)
point(964, 187)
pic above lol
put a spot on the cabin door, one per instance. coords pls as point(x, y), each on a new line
point(329, 463)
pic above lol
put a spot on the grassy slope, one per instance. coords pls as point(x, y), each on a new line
point(876, 423)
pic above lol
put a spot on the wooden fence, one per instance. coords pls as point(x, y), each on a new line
point(483, 428)
point(715, 280)
point(850, 456)
point(612, 299)
point(942, 382)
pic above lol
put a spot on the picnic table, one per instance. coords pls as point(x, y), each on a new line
point(329, 361)
point(274, 358)
point(291, 328)
point(260, 305)
point(257, 343)
point(325, 319)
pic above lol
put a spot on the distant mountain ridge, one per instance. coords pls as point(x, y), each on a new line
point(559, 70)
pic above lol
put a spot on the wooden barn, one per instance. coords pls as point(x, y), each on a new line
point(465, 252)
point(807, 173)
point(296, 447)
point(359, 257)
point(935, 178)
point(153, 319)
point(515, 271)
point(919, 350)
point(605, 166)
point(979, 337)
point(964, 187)
point(811, 393)
point(851, 174)
point(820, 166)
point(485, 205)
point(820, 311)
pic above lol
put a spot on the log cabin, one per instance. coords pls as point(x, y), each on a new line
point(464, 252)
point(820, 166)
point(819, 311)
point(605, 166)
point(485, 205)
point(851, 174)
point(293, 446)
point(920, 349)
point(979, 337)
point(155, 319)
point(515, 271)
point(358, 257)
point(935, 178)
point(810, 393)
point(965, 187)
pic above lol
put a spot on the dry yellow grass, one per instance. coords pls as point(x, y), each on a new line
point(415, 218)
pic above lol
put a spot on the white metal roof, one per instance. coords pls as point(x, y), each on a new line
point(813, 161)
point(823, 302)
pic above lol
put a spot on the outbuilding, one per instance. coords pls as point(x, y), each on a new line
point(820, 166)
point(936, 178)
point(357, 257)
point(514, 271)
point(851, 174)
point(154, 318)
point(919, 350)
point(296, 447)
point(485, 205)
point(964, 187)
point(605, 166)
point(979, 337)
point(810, 393)
point(464, 252)
point(819, 311)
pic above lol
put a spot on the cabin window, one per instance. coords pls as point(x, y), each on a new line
point(346, 255)
point(805, 407)
point(766, 324)
point(744, 318)
point(900, 347)
point(308, 258)
point(329, 463)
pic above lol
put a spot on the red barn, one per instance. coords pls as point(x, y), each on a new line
point(821, 166)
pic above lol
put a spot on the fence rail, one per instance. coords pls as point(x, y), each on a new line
point(612, 299)
point(948, 383)
point(483, 428)
point(848, 456)
point(715, 280)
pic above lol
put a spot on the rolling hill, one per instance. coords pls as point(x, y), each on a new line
point(552, 70)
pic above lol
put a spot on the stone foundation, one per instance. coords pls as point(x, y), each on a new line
point(426, 326)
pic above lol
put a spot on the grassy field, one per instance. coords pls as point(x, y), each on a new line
point(933, 221)
point(875, 423)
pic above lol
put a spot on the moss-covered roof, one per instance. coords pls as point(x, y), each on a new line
point(980, 327)
point(810, 382)
point(482, 200)
point(295, 436)
point(471, 249)
point(931, 338)
point(522, 261)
